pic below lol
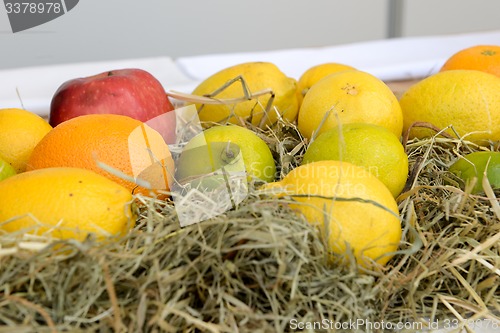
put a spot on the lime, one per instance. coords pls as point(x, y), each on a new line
point(6, 170)
point(231, 141)
point(474, 165)
point(371, 146)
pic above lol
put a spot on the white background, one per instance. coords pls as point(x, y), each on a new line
point(118, 29)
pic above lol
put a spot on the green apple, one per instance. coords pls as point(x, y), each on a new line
point(6, 170)
point(473, 165)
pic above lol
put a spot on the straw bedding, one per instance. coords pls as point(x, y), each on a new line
point(261, 268)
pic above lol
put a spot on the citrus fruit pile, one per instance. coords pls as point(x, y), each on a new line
point(328, 151)
point(77, 178)
point(350, 122)
point(351, 116)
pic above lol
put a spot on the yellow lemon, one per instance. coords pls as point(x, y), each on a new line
point(257, 76)
point(20, 132)
point(354, 210)
point(467, 99)
point(371, 146)
point(316, 73)
point(64, 203)
point(349, 97)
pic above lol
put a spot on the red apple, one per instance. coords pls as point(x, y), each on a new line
point(130, 92)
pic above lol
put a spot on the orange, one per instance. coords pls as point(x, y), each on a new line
point(119, 147)
point(485, 58)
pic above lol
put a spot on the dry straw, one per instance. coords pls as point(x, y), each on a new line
point(261, 268)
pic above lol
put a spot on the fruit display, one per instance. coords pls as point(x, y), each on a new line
point(356, 205)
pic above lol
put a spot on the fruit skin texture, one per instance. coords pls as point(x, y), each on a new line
point(484, 58)
point(370, 146)
point(316, 73)
point(20, 132)
point(256, 155)
point(474, 164)
point(6, 170)
point(466, 99)
point(131, 92)
point(350, 97)
point(371, 229)
point(65, 203)
point(115, 140)
point(258, 76)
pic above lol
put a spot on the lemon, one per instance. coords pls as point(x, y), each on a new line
point(6, 170)
point(257, 76)
point(257, 157)
point(371, 146)
point(64, 203)
point(20, 132)
point(316, 73)
point(354, 210)
point(349, 97)
point(474, 165)
point(467, 99)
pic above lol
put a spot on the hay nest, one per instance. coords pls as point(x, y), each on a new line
point(262, 268)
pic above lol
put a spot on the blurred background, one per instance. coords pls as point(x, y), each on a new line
point(98, 30)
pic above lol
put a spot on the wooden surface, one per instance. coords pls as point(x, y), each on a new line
point(399, 87)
